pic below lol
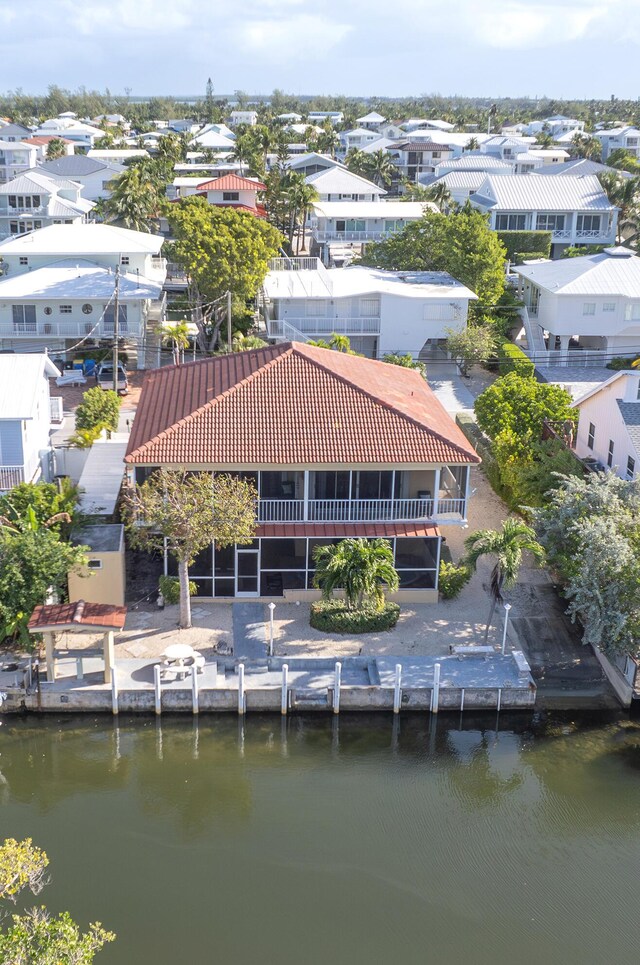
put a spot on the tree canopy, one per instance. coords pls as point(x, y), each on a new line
point(521, 404)
point(460, 243)
point(360, 567)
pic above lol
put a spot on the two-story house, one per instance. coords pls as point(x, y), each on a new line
point(15, 158)
point(14, 132)
point(626, 138)
point(381, 311)
point(575, 210)
point(358, 137)
point(96, 177)
point(58, 288)
point(38, 199)
point(27, 416)
point(233, 191)
point(413, 158)
point(239, 118)
point(609, 424)
point(356, 222)
point(337, 447)
point(371, 121)
point(319, 117)
point(556, 126)
point(66, 125)
point(336, 183)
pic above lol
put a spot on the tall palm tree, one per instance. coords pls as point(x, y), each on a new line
point(136, 199)
point(178, 337)
point(304, 197)
point(381, 168)
point(358, 162)
point(586, 145)
point(440, 195)
point(473, 144)
point(506, 546)
point(360, 567)
point(624, 193)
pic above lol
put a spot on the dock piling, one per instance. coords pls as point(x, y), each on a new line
point(194, 688)
point(285, 686)
point(397, 692)
point(241, 699)
point(336, 688)
point(114, 692)
point(436, 688)
point(157, 688)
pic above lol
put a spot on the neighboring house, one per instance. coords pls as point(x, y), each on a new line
point(14, 132)
point(361, 221)
point(575, 210)
point(579, 166)
point(436, 124)
point(627, 138)
point(380, 311)
point(551, 156)
point(68, 126)
point(236, 118)
point(506, 148)
point(290, 118)
point(38, 199)
point(456, 141)
point(232, 191)
point(319, 117)
point(339, 184)
point(27, 414)
point(96, 177)
point(58, 286)
point(359, 137)
point(461, 184)
point(16, 157)
point(312, 162)
point(117, 155)
point(41, 144)
point(371, 121)
point(413, 158)
point(591, 302)
point(212, 139)
point(474, 161)
point(556, 126)
point(609, 424)
point(337, 447)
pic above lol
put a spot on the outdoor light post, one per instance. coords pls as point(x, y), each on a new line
point(272, 607)
point(507, 607)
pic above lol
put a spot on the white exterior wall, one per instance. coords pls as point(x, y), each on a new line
point(407, 323)
point(93, 184)
point(244, 197)
point(324, 229)
point(602, 410)
point(57, 325)
point(569, 235)
point(15, 159)
point(149, 266)
point(564, 315)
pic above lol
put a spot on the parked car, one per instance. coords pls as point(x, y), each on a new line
point(104, 377)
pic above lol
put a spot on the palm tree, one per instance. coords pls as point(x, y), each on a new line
point(304, 197)
point(358, 162)
point(624, 193)
point(507, 547)
point(360, 567)
point(56, 148)
point(473, 144)
point(440, 195)
point(381, 168)
point(586, 145)
point(178, 337)
point(135, 200)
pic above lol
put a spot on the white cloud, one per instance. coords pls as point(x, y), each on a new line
point(523, 25)
point(302, 37)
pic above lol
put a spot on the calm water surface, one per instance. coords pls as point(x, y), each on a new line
point(314, 841)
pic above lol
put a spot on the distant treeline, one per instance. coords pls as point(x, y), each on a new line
point(462, 111)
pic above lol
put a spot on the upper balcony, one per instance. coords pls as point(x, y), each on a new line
point(281, 328)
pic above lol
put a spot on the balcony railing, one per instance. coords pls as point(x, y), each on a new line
point(324, 326)
point(374, 235)
point(358, 510)
point(11, 476)
point(63, 329)
point(295, 264)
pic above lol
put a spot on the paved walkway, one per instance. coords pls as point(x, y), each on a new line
point(249, 638)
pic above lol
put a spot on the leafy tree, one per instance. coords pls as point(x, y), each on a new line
point(46, 500)
point(360, 567)
point(625, 194)
point(460, 243)
point(56, 148)
point(624, 160)
point(188, 511)
point(590, 528)
point(470, 345)
point(521, 404)
point(22, 865)
point(406, 362)
point(506, 546)
point(586, 145)
point(98, 409)
point(50, 940)
point(472, 144)
point(221, 250)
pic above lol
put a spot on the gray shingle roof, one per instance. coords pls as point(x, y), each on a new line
point(74, 165)
point(631, 417)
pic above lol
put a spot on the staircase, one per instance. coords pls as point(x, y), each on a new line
point(536, 347)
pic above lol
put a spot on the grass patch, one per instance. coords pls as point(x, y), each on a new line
point(332, 616)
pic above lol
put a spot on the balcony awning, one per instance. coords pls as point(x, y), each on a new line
point(347, 530)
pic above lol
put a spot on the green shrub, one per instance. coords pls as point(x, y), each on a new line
point(452, 578)
point(526, 244)
point(98, 408)
point(522, 256)
point(619, 363)
point(513, 359)
point(170, 589)
point(333, 616)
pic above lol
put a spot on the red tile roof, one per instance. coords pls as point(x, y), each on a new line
point(346, 530)
point(79, 614)
point(232, 182)
point(44, 139)
point(292, 404)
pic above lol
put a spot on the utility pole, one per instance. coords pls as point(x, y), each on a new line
point(229, 338)
point(116, 329)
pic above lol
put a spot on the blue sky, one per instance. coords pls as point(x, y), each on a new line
point(558, 48)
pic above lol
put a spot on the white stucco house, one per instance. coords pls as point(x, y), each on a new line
point(575, 210)
point(38, 199)
point(339, 184)
point(380, 311)
point(371, 121)
point(609, 424)
point(590, 303)
point(58, 287)
point(237, 118)
point(556, 126)
point(355, 222)
point(319, 117)
point(359, 137)
point(625, 137)
point(413, 158)
point(68, 126)
point(27, 416)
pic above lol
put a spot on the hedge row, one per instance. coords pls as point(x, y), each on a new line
point(332, 616)
point(526, 244)
point(513, 359)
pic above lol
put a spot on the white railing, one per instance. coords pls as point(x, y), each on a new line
point(11, 476)
point(295, 264)
point(62, 329)
point(358, 510)
point(575, 358)
point(55, 409)
point(159, 264)
point(324, 326)
point(350, 235)
point(594, 233)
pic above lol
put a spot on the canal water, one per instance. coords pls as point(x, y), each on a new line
point(358, 840)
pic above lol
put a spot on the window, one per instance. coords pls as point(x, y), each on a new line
point(609, 307)
point(230, 195)
point(24, 318)
point(550, 222)
point(94, 564)
point(13, 227)
point(356, 225)
point(124, 260)
point(610, 454)
point(591, 435)
point(65, 309)
point(631, 467)
point(589, 308)
point(23, 261)
point(511, 222)
point(369, 307)
point(316, 308)
point(588, 222)
point(13, 203)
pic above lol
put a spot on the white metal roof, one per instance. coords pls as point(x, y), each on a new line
point(102, 475)
point(116, 152)
point(35, 182)
point(358, 280)
point(82, 239)
point(461, 179)
point(76, 280)
point(19, 383)
point(371, 118)
point(408, 210)
point(559, 193)
point(614, 272)
point(341, 181)
point(474, 161)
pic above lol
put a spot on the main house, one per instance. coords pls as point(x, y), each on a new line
point(380, 311)
point(575, 210)
point(27, 416)
point(609, 424)
point(337, 447)
point(38, 199)
point(588, 303)
point(413, 158)
point(58, 287)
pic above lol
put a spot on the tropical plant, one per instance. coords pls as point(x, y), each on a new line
point(406, 362)
point(624, 193)
point(586, 145)
point(177, 336)
point(506, 546)
point(452, 578)
point(472, 144)
point(522, 404)
point(99, 408)
point(381, 168)
point(169, 588)
point(186, 512)
point(46, 500)
point(56, 148)
point(624, 160)
point(470, 345)
point(136, 199)
point(357, 161)
point(360, 567)
point(440, 194)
